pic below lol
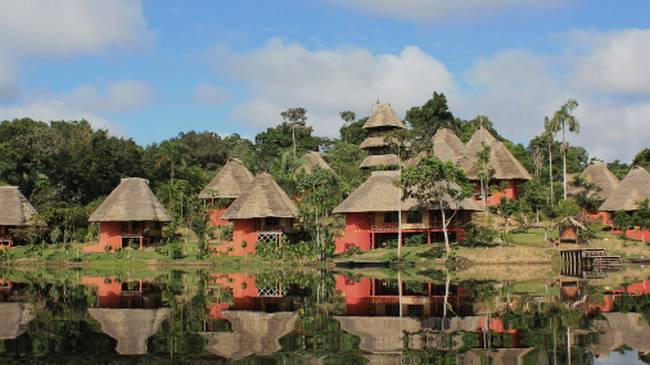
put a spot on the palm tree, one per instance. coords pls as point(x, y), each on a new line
point(548, 135)
point(563, 119)
point(170, 152)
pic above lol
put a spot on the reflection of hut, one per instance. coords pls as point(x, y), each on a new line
point(253, 333)
point(622, 329)
point(264, 212)
point(571, 230)
point(130, 327)
point(371, 215)
point(507, 169)
point(381, 123)
point(130, 214)
point(15, 317)
point(495, 356)
point(15, 212)
point(229, 183)
point(312, 159)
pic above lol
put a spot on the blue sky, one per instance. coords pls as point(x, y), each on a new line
point(150, 69)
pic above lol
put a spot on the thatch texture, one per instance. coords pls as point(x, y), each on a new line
point(131, 200)
point(513, 356)
point(448, 147)
point(599, 176)
point(384, 335)
point(502, 161)
point(380, 193)
point(383, 116)
point(619, 329)
point(380, 160)
point(634, 188)
point(15, 210)
point(15, 317)
point(373, 142)
point(130, 327)
point(264, 198)
point(312, 159)
point(253, 333)
point(229, 183)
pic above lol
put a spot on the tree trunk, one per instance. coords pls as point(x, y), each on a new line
point(444, 227)
point(293, 138)
point(446, 301)
point(550, 170)
point(399, 291)
point(564, 152)
point(399, 232)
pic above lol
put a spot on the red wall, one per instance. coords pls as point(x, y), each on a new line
point(356, 233)
point(602, 217)
point(214, 215)
point(357, 294)
point(244, 230)
point(108, 290)
point(244, 292)
point(511, 192)
point(109, 235)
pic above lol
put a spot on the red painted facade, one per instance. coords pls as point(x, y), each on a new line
point(360, 231)
point(603, 218)
point(214, 217)
point(636, 234)
point(113, 293)
point(510, 192)
point(111, 235)
point(244, 239)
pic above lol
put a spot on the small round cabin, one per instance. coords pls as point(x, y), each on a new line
point(16, 214)
point(131, 216)
point(226, 186)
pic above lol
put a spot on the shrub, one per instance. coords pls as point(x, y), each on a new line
point(479, 236)
point(414, 240)
point(175, 251)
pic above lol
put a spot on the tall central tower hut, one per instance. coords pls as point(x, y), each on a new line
point(382, 122)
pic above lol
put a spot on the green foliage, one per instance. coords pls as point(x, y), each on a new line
point(415, 240)
point(567, 208)
point(619, 168)
point(642, 159)
point(479, 236)
point(352, 131)
point(344, 158)
point(428, 118)
point(303, 250)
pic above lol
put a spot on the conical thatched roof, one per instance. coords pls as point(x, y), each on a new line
point(502, 161)
point(253, 333)
point(634, 188)
point(131, 200)
point(373, 142)
point(599, 175)
point(15, 317)
point(311, 160)
point(512, 356)
point(619, 329)
point(264, 198)
point(448, 147)
point(383, 116)
point(230, 182)
point(380, 193)
point(130, 327)
point(380, 160)
point(15, 210)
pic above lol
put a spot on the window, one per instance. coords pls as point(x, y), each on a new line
point(390, 217)
point(414, 217)
point(271, 221)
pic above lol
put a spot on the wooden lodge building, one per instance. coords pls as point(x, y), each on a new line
point(604, 181)
point(509, 173)
point(371, 218)
point(634, 188)
point(264, 212)
point(130, 214)
point(226, 186)
point(382, 121)
point(15, 213)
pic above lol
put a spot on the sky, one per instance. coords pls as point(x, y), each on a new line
point(149, 69)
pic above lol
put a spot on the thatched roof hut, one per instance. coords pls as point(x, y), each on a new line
point(380, 193)
point(263, 198)
point(448, 147)
point(253, 333)
point(380, 160)
point(15, 317)
point(634, 188)
point(130, 327)
point(229, 183)
point(502, 161)
point(600, 177)
point(512, 356)
point(131, 200)
point(383, 116)
point(312, 159)
point(619, 329)
point(15, 210)
point(374, 142)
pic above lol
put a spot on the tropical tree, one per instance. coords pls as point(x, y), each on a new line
point(434, 183)
point(562, 120)
point(549, 136)
point(426, 119)
point(484, 171)
point(295, 117)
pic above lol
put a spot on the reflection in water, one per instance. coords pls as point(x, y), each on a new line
point(319, 317)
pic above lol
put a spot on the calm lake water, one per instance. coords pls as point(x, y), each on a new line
point(319, 317)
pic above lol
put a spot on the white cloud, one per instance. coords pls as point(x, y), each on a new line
point(618, 62)
point(118, 96)
point(213, 95)
point(70, 27)
point(281, 75)
point(8, 88)
point(55, 109)
point(425, 10)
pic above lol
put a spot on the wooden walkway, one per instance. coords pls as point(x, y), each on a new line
point(585, 262)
